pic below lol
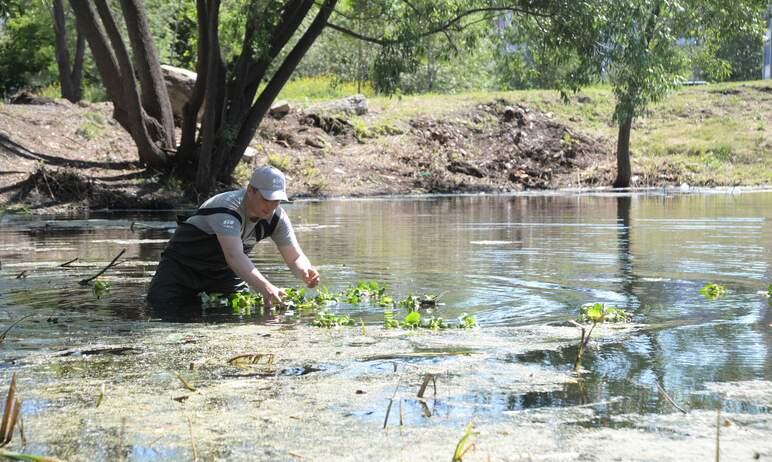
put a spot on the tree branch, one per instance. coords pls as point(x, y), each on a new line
point(442, 27)
point(276, 83)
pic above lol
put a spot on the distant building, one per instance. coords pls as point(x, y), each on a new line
point(767, 68)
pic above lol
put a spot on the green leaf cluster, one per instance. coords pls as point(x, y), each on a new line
point(600, 312)
point(329, 320)
point(367, 291)
point(101, 288)
point(363, 292)
point(713, 291)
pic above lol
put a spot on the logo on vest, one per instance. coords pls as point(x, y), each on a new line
point(228, 223)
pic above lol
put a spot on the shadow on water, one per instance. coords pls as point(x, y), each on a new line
point(619, 390)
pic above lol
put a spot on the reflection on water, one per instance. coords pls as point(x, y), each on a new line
point(509, 260)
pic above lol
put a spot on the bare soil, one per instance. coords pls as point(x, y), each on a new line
point(73, 156)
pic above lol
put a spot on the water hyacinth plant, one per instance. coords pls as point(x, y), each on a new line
point(596, 313)
point(243, 303)
point(365, 291)
point(600, 312)
point(329, 320)
point(101, 288)
point(713, 291)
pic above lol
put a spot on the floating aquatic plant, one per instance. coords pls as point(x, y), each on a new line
point(600, 312)
point(389, 322)
point(101, 288)
point(325, 297)
point(365, 290)
point(596, 313)
point(713, 291)
point(211, 300)
point(412, 320)
point(328, 320)
point(244, 302)
point(413, 302)
point(296, 299)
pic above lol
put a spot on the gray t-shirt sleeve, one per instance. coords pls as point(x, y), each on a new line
point(284, 234)
point(217, 223)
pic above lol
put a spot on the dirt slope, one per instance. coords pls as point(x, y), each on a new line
point(62, 155)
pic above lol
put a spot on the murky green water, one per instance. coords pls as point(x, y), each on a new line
point(515, 262)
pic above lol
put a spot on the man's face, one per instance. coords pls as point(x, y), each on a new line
point(257, 207)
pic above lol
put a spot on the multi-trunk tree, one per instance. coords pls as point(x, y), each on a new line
point(234, 94)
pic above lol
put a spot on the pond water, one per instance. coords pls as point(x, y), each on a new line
point(512, 261)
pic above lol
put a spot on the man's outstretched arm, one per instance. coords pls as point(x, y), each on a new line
point(298, 263)
point(238, 261)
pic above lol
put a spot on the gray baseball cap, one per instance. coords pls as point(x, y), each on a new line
point(270, 182)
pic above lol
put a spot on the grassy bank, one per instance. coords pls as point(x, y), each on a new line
point(718, 134)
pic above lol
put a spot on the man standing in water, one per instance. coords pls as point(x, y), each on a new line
point(208, 251)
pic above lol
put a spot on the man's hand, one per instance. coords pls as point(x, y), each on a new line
point(299, 264)
point(310, 277)
point(271, 293)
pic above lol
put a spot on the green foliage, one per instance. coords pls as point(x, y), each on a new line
point(412, 320)
point(366, 290)
point(467, 321)
point(769, 291)
point(713, 291)
point(323, 86)
point(742, 50)
point(413, 303)
point(328, 320)
point(389, 322)
point(325, 297)
point(101, 288)
point(245, 303)
point(464, 444)
point(27, 49)
point(296, 299)
point(600, 312)
point(240, 303)
point(281, 161)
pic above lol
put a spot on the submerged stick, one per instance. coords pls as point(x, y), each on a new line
point(22, 275)
point(425, 383)
point(7, 329)
point(66, 264)
point(391, 401)
point(718, 432)
point(192, 440)
point(662, 390)
point(110, 265)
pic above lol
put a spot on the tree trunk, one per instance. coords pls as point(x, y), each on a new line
point(115, 67)
point(205, 178)
point(624, 172)
point(187, 151)
point(233, 154)
point(155, 99)
point(69, 79)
